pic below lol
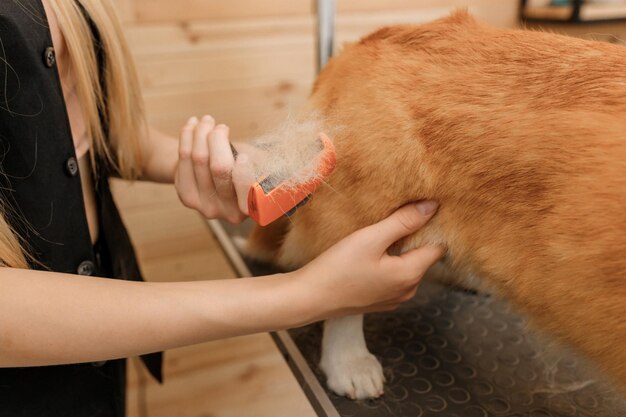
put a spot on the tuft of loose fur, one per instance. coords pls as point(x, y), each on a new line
point(290, 154)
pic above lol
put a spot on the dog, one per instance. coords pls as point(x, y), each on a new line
point(521, 138)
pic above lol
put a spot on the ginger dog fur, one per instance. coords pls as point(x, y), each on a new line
point(521, 138)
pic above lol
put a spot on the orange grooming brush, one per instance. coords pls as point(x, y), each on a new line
point(269, 199)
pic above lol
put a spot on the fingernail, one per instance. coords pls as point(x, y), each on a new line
point(191, 120)
point(427, 207)
point(207, 119)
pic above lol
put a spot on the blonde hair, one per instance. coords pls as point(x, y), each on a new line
point(116, 98)
point(11, 252)
point(108, 92)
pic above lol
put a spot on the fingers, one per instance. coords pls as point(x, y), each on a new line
point(415, 263)
point(406, 271)
point(201, 168)
point(222, 162)
point(402, 222)
point(205, 167)
point(409, 270)
point(185, 179)
point(222, 165)
point(243, 178)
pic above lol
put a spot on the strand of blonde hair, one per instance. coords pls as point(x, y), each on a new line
point(116, 99)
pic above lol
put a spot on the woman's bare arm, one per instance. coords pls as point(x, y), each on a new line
point(160, 152)
point(51, 318)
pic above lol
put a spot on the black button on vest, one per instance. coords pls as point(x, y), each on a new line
point(86, 268)
point(49, 57)
point(71, 165)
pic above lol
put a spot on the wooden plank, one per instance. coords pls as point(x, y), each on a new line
point(262, 67)
point(215, 36)
point(239, 377)
point(166, 10)
point(249, 74)
point(171, 241)
point(169, 37)
point(248, 111)
point(159, 10)
point(125, 10)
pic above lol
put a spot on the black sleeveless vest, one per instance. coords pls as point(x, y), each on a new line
point(41, 190)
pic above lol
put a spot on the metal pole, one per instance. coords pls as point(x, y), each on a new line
point(325, 31)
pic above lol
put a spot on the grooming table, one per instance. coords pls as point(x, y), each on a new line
point(448, 352)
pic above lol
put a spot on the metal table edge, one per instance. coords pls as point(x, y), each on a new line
point(310, 385)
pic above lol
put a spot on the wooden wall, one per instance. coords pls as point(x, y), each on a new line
point(250, 63)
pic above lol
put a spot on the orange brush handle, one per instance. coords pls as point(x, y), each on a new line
point(265, 207)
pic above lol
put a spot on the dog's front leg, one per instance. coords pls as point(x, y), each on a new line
point(350, 369)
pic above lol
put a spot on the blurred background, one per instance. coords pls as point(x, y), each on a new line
point(249, 63)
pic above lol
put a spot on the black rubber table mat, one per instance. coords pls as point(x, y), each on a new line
point(455, 353)
point(450, 353)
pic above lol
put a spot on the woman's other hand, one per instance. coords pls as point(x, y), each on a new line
point(357, 274)
point(208, 178)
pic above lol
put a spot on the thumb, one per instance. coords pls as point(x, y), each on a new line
point(243, 179)
point(404, 221)
point(417, 261)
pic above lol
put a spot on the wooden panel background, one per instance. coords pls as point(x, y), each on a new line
point(251, 63)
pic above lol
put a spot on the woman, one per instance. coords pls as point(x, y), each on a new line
point(71, 116)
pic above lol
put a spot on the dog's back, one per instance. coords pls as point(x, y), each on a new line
point(521, 137)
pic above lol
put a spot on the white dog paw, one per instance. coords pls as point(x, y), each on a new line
point(358, 378)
